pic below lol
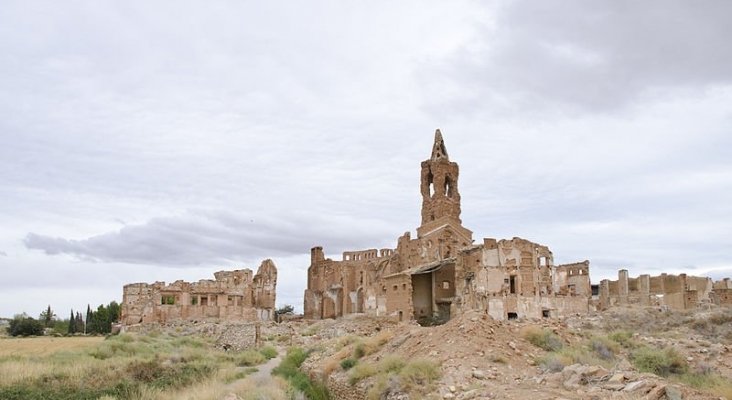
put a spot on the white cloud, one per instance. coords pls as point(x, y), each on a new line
point(140, 140)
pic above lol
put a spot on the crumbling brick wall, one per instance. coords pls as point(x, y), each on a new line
point(233, 296)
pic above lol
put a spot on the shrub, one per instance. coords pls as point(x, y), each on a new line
point(659, 362)
point(603, 348)
point(358, 351)
point(362, 371)
point(268, 352)
point(250, 358)
point(554, 362)
point(419, 372)
point(348, 363)
point(25, 326)
point(543, 338)
point(623, 338)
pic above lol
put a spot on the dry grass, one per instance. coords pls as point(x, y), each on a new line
point(43, 346)
point(354, 347)
point(212, 389)
point(543, 338)
point(147, 367)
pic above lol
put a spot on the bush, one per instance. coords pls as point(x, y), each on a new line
point(419, 372)
point(603, 348)
point(543, 338)
point(554, 362)
point(359, 351)
point(268, 352)
point(623, 338)
point(659, 362)
point(250, 358)
point(348, 363)
point(25, 326)
point(362, 371)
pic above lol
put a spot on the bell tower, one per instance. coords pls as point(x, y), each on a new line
point(439, 187)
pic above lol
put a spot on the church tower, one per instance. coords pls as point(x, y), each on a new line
point(439, 187)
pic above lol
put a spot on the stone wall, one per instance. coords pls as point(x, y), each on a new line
point(233, 296)
point(678, 292)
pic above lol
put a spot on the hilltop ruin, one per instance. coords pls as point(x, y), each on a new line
point(443, 272)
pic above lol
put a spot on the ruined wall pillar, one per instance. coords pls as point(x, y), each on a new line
point(623, 286)
point(644, 287)
point(604, 294)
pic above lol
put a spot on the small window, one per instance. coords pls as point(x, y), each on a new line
point(512, 315)
point(446, 285)
point(404, 286)
point(194, 300)
point(167, 299)
point(396, 287)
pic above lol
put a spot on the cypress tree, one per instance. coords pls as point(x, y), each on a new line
point(89, 320)
point(72, 323)
point(79, 323)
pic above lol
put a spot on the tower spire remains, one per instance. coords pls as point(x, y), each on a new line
point(439, 186)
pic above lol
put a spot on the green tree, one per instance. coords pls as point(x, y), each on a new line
point(23, 325)
point(47, 317)
point(286, 309)
point(113, 312)
point(72, 323)
point(90, 325)
point(79, 325)
point(101, 320)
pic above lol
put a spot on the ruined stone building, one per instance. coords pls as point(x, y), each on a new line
point(233, 296)
point(442, 271)
point(676, 292)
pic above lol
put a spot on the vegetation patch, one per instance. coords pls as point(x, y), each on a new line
point(289, 369)
point(543, 338)
point(394, 375)
point(120, 367)
point(348, 363)
point(268, 352)
point(662, 362)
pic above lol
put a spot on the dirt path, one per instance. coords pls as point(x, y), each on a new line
point(264, 371)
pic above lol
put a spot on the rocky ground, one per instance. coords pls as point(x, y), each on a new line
point(580, 357)
point(485, 359)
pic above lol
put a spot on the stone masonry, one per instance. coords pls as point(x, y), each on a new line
point(233, 296)
point(677, 292)
point(442, 271)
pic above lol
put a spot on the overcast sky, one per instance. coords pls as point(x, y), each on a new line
point(145, 141)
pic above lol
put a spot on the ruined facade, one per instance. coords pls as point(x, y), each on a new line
point(233, 296)
point(442, 271)
point(676, 292)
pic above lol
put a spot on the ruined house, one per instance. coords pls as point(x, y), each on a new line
point(442, 271)
point(676, 292)
point(233, 296)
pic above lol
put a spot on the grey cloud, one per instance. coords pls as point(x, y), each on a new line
point(3, 254)
point(578, 55)
point(206, 237)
